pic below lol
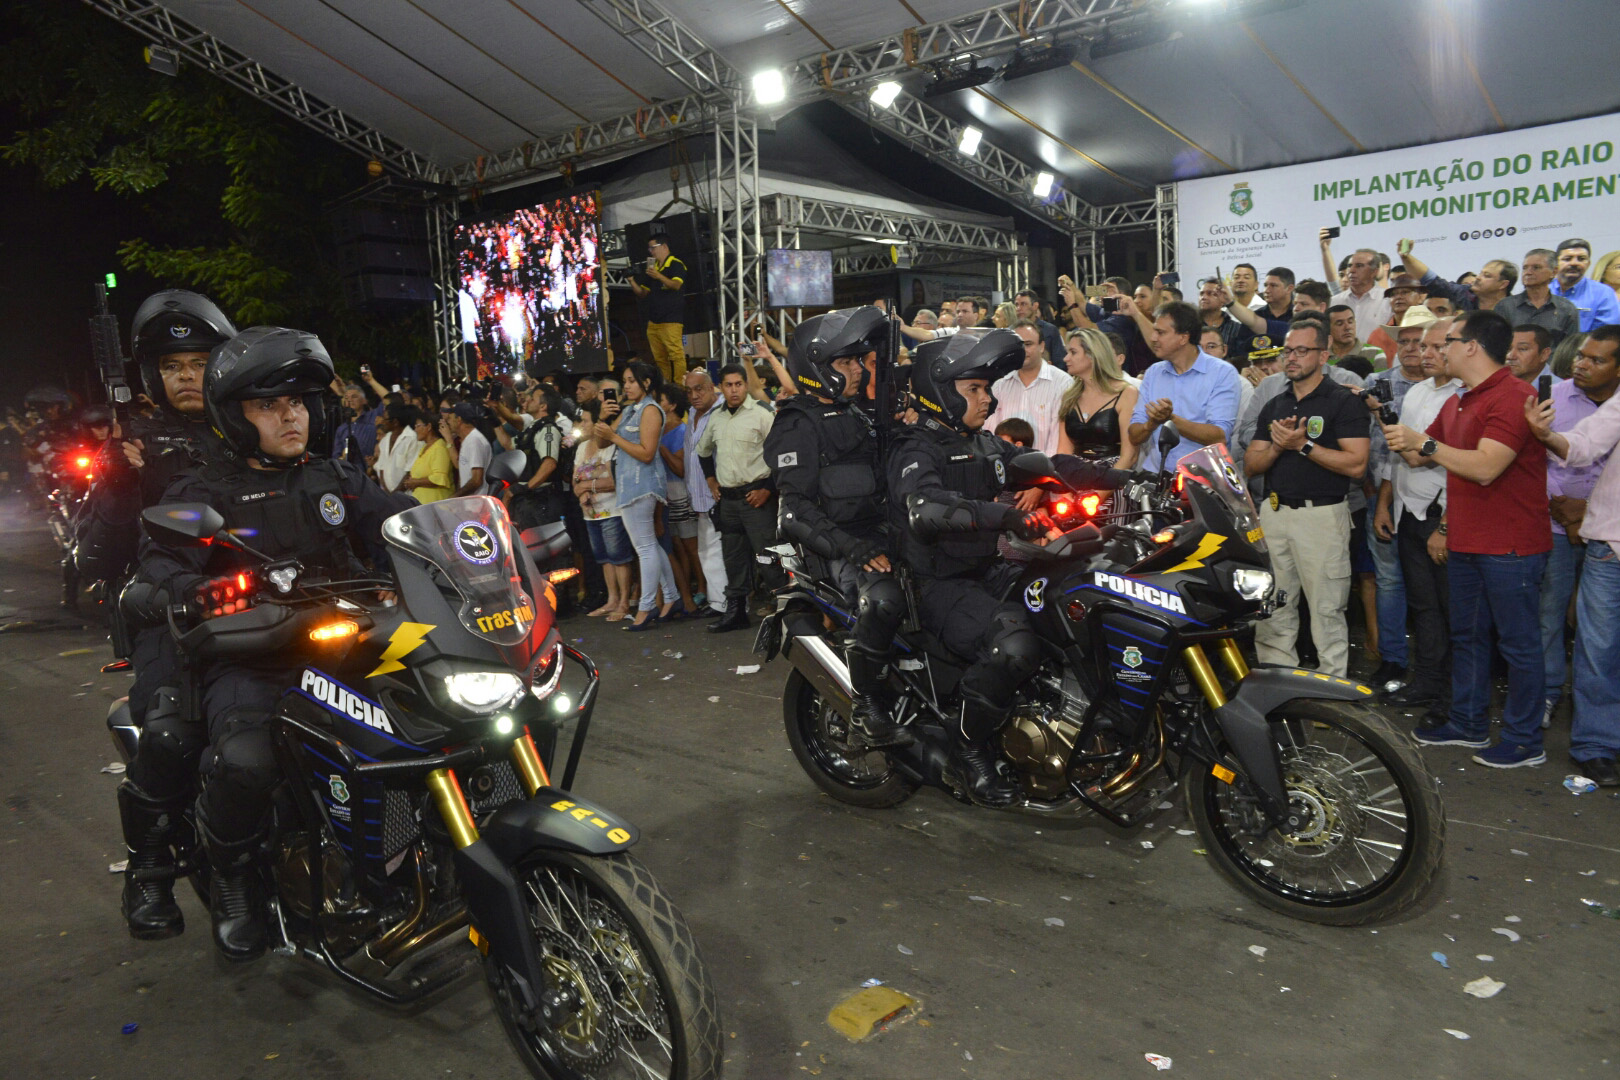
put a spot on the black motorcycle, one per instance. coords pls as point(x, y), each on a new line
point(418, 834)
point(1304, 796)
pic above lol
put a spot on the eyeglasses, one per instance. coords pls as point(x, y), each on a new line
point(1452, 340)
point(1301, 351)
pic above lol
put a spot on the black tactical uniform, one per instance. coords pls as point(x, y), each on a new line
point(822, 450)
point(306, 509)
point(944, 477)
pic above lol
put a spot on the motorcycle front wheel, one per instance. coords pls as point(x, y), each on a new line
point(820, 739)
point(1372, 832)
point(627, 994)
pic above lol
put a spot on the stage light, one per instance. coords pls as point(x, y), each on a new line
point(970, 141)
point(1034, 60)
point(884, 93)
point(770, 87)
point(1043, 184)
point(951, 80)
point(163, 61)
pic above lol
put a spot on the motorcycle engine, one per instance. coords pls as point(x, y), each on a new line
point(1040, 733)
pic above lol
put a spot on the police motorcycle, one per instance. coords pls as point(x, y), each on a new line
point(418, 831)
point(1306, 798)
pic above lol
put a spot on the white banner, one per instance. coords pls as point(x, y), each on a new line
point(1462, 203)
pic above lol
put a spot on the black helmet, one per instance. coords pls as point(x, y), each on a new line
point(42, 397)
point(265, 362)
point(95, 416)
point(820, 340)
point(174, 321)
point(969, 354)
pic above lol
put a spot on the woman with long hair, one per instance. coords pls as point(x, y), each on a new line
point(1005, 315)
point(1606, 271)
point(634, 432)
point(1097, 407)
point(599, 506)
point(679, 521)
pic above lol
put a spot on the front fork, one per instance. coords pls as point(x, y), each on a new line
point(446, 790)
point(1203, 672)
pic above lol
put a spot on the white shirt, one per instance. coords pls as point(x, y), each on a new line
point(474, 454)
point(395, 459)
point(1371, 308)
point(1416, 489)
point(1038, 403)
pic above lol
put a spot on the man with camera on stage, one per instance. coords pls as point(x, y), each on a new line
point(658, 287)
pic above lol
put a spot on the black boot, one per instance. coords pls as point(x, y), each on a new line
point(236, 898)
point(870, 716)
point(736, 617)
point(148, 902)
point(975, 758)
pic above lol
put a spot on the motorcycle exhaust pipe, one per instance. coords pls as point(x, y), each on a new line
point(813, 658)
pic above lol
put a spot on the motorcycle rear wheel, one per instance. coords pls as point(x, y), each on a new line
point(818, 736)
point(629, 994)
point(1374, 829)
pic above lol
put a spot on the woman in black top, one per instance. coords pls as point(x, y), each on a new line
point(1097, 407)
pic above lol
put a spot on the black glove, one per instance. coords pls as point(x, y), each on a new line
point(865, 551)
point(1031, 526)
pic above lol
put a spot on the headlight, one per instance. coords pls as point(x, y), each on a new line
point(547, 673)
point(482, 691)
point(1252, 584)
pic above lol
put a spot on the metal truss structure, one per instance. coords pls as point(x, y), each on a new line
point(995, 29)
point(162, 26)
point(720, 102)
point(446, 314)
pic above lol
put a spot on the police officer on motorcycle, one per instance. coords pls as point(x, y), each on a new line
point(944, 474)
point(823, 454)
point(262, 393)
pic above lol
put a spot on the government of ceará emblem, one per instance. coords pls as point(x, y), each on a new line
point(1242, 199)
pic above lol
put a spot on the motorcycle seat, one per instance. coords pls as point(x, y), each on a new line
point(546, 541)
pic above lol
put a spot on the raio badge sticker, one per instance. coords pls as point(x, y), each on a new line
point(331, 507)
point(1314, 426)
point(1035, 595)
point(476, 543)
point(1001, 472)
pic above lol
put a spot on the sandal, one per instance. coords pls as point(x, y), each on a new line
point(618, 614)
point(605, 609)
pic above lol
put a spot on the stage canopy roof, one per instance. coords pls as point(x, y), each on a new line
point(1157, 90)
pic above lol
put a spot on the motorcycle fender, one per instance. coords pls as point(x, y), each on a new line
point(1243, 721)
point(554, 820)
point(497, 912)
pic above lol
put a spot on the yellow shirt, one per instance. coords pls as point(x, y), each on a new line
point(433, 465)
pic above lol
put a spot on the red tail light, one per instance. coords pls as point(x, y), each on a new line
point(1061, 508)
point(1090, 503)
point(82, 462)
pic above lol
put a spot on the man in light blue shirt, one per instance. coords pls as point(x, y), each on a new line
point(1187, 387)
point(1595, 301)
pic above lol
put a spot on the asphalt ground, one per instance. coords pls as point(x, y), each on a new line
point(1035, 947)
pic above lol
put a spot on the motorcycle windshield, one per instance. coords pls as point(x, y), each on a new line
point(1211, 468)
point(468, 539)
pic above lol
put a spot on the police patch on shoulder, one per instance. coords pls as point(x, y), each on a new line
point(331, 507)
point(784, 461)
point(1001, 471)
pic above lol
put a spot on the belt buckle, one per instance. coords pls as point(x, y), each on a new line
point(1274, 500)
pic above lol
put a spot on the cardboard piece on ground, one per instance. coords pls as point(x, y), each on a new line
point(860, 1014)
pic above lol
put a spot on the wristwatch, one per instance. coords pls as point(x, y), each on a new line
point(1442, 528)
point(1307, 448)
point(1428, 448)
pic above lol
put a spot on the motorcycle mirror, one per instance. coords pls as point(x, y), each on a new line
point(182, 524)
point(507, 467)
point(1034, 470)
point(1169, 439)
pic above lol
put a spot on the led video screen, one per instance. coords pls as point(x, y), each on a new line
point(530, 288)
point(796, 278)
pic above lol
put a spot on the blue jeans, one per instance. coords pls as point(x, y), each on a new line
point(1596, 732)
point(1504, 592)
point(655, 568)
point(1386, 557)
point(1557, 586)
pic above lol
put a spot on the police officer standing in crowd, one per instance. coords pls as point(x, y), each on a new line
point(823, 454)
point(944, 474)
point(262, 392)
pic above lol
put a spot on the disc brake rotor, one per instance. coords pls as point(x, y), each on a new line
point(634, 989)
point(1323, 792)
point(581, 1006)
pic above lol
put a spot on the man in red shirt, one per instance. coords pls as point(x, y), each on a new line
point(1498, 535)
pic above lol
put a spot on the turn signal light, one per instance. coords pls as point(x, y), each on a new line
point(1164, 536)
point(562, 575)
point(334, 631)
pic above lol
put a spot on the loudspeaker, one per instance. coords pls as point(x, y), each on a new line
point(691, 240)
point(382, 253)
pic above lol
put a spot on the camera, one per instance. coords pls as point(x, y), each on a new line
point(1388, 415)
point(1382, 391)
point(1110, 304)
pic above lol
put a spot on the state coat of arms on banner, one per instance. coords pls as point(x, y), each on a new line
point(1242, 199)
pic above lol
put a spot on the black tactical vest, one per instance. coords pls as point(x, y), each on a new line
point(972, 467)
point(295, 513)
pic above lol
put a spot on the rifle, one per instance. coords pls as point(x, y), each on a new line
point(107, 349)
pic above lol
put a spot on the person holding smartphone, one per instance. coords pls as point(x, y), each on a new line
point(658, 287)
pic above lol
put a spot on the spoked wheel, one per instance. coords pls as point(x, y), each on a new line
point(1372, 830)
point(626, 993)
point(848, 771)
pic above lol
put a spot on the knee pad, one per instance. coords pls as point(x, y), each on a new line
point(165, 765)
point(241, 775)
point(881, 611)
point(1015, 649)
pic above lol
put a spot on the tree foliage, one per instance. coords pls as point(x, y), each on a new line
point(233, 192)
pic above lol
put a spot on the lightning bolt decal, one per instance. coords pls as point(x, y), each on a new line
point(406, 636)
point(1209, 545)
